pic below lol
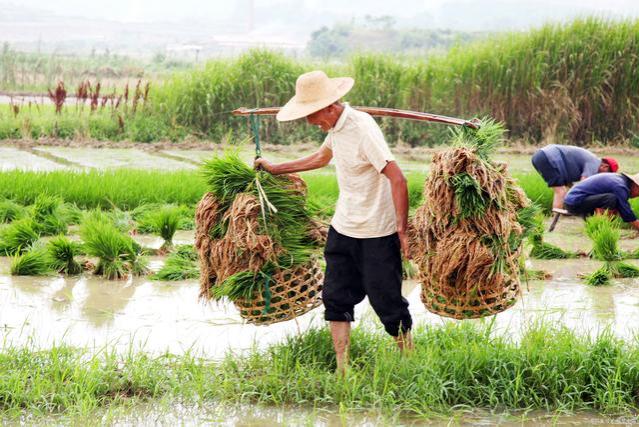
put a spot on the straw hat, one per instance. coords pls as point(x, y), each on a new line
point(314, 91)
point(634, 178)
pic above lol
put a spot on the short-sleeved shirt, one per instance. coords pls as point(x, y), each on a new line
point(603, 183)
point(572, 163)
point(365, 205)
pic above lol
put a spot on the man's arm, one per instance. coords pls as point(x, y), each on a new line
point(399, 191)
point(316, 160)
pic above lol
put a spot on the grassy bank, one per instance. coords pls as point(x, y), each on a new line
point(576, 82)
point(454, 366)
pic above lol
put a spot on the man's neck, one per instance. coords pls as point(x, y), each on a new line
point(339, 109)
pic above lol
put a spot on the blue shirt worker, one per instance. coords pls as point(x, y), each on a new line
point(368, 232)
point(561, 165)
point(605, 191)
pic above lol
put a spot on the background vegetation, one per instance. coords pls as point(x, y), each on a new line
point(576, 83)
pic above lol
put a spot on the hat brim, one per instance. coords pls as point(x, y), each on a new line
point(633, 178)
point(294, 109)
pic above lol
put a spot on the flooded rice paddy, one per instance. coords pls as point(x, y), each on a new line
point(155, 316)
point(53, 157)
point(87, 311)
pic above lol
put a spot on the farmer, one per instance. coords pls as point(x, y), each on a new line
point(561, 165)
point(367, 235)
point(605, 191)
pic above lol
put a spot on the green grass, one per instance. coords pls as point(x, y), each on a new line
point(454, 367)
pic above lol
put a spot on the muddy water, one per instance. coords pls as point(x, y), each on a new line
point(12, 158)
point(107, 158)
point(159, 316)
point(259, 415)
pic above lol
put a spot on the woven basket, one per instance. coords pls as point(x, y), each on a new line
point(473, 306)
point(293, 293)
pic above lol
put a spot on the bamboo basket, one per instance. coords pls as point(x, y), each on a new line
point(293, 293)
point(467, 236)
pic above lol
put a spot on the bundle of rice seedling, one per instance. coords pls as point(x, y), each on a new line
point(539, 248)
point(165, 222)
point(180, 265)
point(255, 240)
point(48, 215)
point(33, 262)
point(467, 236)
point(118, 253)
point(62, 253)
point(11, 211)
point(605, 232)
point(17, 237)
point(144, 217)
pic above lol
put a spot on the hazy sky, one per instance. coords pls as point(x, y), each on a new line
point(216, 10)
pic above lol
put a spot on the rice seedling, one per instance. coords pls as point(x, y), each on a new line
point(35, 261)
point(599, 277)
point(17, 237)
point(541, 249)
point(124, 188)
point(545, 250)
point(47, 215)
point(62, 254)
point(165, 222)
point(604, 232)
point(255, 240)
point(71, 214)
point(530, 274)
point(180, 265)
point(117, 252)
point(10, 211)
point(229, 176)
point(467, 249)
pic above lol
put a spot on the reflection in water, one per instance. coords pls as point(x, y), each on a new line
point(102, 299)
point(62, 297)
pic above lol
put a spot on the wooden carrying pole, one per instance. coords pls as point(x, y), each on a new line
point(376, 112)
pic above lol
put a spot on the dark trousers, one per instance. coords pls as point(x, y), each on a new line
point(597, 201)
point(356, 268)
point(548, 172)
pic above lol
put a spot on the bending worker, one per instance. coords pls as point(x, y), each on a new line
point(561, 165)
point(605, 191)
point(368, 232)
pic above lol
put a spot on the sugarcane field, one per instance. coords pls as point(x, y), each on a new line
point(266, 213)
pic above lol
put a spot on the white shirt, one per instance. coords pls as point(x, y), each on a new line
point(365, 205)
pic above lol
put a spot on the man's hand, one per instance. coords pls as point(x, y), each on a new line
point(635, 226)
point(262, 163)
point(403, 241)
